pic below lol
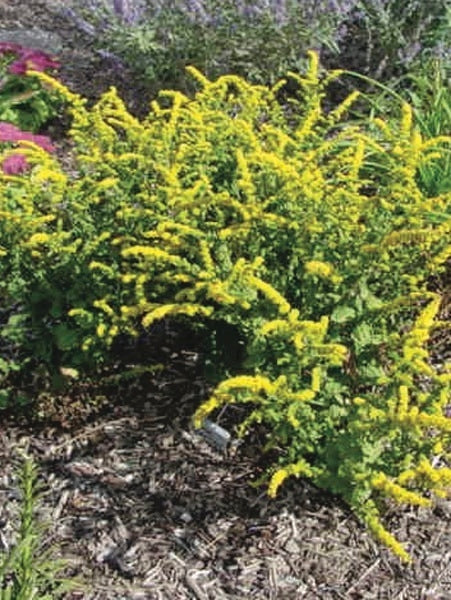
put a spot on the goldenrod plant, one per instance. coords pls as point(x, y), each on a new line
point(302, 229)
point(28, 570)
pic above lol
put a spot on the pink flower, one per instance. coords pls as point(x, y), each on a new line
point(27, 58)
point(8, 47)
point(11, 133)
point(32, 59)
point(43, 141)
point(18, 67)
point(14, 164)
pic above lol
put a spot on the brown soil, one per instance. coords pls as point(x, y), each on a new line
point(142, 507)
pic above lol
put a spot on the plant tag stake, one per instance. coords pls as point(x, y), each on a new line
point(215, 435)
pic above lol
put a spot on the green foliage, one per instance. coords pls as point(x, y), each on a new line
point(429, 91)
point(389, 38)
point(24, 102)
point(28, 570)
point(306, 232)
point(257, 40)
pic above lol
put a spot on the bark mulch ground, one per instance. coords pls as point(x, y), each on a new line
point(143, 507)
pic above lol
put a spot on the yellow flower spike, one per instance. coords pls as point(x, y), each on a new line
point(382, 483)
point(403, 401)
point(275, 326)
point(313, 68)
point(175, 309)
point(254, 384)
point(358, 401)
point(38, 238)
point(198, 76)
point(298, 469)
point(95, 265)
point(438, 448)
point(406, 119)
point(303, 396)
point(206, 258)
point(106, 184)
point(245, 182)
point(387, 539)
point(101, 330)
point(336, 114)
point(358, 158)
point(276, 481)
point(151, 253)
point(291, 415)
point(103, 306)
point(308, 124)
point(435, 421)
point(406, 476)
point(316, 379)
point(298, 342)
point(204, 410)
point(72, 98)
point(270, 293)
point(323, 270)
point(293, 316)
point(384, 128)
point(87, 343)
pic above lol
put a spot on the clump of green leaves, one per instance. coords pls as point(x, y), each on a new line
point(28, 570)
point(428, 90)
point(386, 39)
point(24, 102)
point(306, 231)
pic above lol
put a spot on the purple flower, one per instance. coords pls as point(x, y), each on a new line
point(129, 11)
point(15, 164)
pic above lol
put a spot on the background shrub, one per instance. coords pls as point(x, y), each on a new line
point(261, 40)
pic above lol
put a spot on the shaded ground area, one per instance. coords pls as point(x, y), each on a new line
point(143, 507)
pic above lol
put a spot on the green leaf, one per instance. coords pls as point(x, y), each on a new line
point(341, 314)
point(372, 371)
point(65, 337)
point(362, 335)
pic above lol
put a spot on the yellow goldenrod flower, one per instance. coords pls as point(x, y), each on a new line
point(358, 401)
point(271, 294)
point(104, 306)
point(276, 481)
point(255, 384)
point(38, 238)
point(316, 379)
point(204, 410)
point(406, 119)
point(387, 539)
point(322, 269)
point(101, 330)
point(403, 401)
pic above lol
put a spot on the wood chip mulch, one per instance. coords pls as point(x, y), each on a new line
point(142, 507)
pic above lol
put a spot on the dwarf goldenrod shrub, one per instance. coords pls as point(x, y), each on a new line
point(305, 231)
